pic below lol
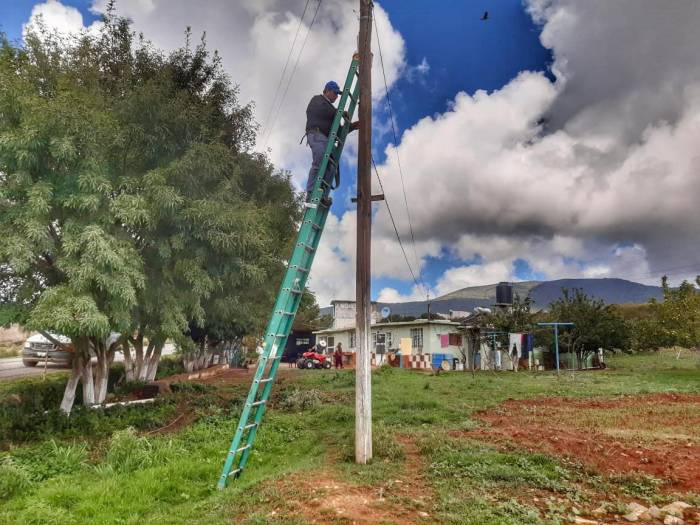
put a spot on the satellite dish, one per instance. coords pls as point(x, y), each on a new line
point(322, 344)
point(386, 312)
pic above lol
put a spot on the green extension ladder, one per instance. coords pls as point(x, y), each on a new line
point(293, 284)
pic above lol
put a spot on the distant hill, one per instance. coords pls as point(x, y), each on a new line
point(612, 291)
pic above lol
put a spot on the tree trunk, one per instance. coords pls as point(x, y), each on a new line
point(88, 383)
point(138, 350)
point(128, 361)
point(104, 355)
point(143, 369)
point(71, 386)
point(153, 362)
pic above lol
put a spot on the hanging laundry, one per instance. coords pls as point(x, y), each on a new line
point(515, 340)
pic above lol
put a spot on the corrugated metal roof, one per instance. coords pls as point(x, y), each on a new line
point(443, 322)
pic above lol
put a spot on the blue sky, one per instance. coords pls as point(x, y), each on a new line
point(530, 150)
point(464, 53)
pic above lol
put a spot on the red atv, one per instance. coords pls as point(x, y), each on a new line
point(311, 360)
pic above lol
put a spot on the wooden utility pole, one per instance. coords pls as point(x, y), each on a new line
point(363, 378)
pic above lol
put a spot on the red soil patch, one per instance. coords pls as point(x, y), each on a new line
point(321, 498)
point(657, 435)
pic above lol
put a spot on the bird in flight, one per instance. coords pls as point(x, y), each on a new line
point(485, 16)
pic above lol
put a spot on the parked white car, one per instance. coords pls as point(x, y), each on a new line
point(38, 349)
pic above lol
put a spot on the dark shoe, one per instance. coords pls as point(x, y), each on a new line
point(326, 201)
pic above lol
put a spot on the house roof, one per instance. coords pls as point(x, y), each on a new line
point(391, 324)
point(348, 301)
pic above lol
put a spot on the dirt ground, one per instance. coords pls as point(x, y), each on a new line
point(657, 435)
point(322, 497)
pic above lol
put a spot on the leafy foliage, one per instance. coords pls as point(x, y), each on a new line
point(596, 325)
point(130, 201)
point(673, 322)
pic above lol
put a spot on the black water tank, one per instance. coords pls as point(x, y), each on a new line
point(504, 293)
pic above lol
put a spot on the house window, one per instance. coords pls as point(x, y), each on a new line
point(455, 340)
point(417, 337)
point(352, 339)
point(379, 343)
point(302, 341)
point(388, 340)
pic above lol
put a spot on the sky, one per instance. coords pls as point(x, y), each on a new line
point(556, 139)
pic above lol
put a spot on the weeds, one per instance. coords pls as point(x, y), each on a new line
point(14, 478)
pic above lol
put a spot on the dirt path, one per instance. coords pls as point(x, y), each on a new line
point(657, 435)
point(322, 497)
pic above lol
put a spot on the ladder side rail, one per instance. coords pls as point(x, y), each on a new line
point(285, 327)
point(243, 460)
point(292, 287)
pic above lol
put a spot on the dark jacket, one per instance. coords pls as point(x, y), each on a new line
point(320, 114)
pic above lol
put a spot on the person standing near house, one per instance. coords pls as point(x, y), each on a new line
point(319, 119)
point(338, 356)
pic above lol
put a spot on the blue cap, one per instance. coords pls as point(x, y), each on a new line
point(332, 86)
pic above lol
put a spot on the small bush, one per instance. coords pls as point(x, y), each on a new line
point(297, 399)
point(51, 459)
point(128, 452)
point(13, 478)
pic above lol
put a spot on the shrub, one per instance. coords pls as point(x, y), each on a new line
point(51, 459)
point(13, 478)
point(128, 452)
point(297, 399)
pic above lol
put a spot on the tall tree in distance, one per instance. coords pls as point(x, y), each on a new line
point(596, 325)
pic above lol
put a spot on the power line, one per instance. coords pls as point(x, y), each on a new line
point(391, 216)
point(398, 160)
point(291, 76)
point(284, 70)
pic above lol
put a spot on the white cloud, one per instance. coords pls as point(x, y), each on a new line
point(474, 275)
point(418, 72)
point(55, 16)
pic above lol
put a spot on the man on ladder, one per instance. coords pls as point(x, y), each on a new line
point(319, 119)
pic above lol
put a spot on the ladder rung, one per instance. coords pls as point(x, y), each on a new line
point(301, 269)
point(296, 292)
point(307, 247)
point(234, 452)
point(312, 223)
point(285, 313)
point(261, 402)
point(234, 472)
point(332, 160)
point(267, 380)
point(251, 425)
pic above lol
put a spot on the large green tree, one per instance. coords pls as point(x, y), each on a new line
point(129, 199)
point(596, 324)
point(675, 321)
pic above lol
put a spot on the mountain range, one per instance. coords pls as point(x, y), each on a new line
point(612, 291)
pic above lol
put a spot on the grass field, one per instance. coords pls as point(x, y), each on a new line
point(439, 454)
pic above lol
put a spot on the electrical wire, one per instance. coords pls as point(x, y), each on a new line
point(393, 222)
point(286, 65)
point(398, 161)
point(291, 76)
